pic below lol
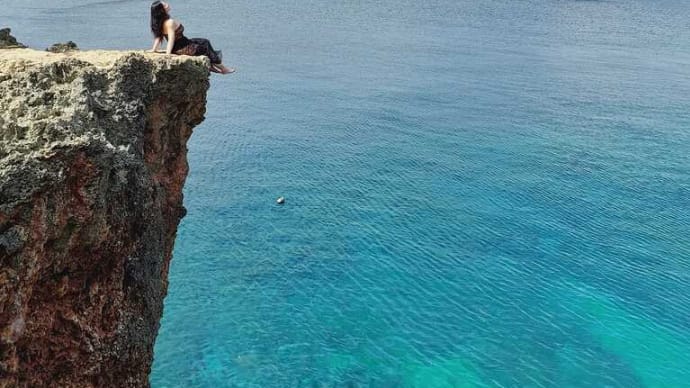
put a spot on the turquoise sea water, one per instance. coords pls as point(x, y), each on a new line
point(479, 193)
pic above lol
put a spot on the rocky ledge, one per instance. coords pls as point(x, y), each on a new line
point(92, 164)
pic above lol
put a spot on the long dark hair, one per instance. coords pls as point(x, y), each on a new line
point(158, 17)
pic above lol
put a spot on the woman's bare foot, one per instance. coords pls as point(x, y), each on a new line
point(218, 68)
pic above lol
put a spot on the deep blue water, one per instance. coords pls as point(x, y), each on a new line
point(479, 193)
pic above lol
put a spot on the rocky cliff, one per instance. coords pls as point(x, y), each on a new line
point(92, 164)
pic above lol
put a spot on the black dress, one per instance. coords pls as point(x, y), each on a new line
point(194, 46)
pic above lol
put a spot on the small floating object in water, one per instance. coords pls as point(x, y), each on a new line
point(280, 200)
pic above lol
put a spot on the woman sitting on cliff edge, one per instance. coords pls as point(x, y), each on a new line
point(163, 26)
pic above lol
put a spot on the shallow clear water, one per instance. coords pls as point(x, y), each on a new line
point(479, 193)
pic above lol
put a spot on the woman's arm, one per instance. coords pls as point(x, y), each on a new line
point(156, 43)
point(170, 31)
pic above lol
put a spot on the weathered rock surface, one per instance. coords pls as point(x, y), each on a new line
point(7, 40)
point(92, 164)
point(63, 47)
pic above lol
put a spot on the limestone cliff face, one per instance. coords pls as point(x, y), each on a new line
point(92, 164)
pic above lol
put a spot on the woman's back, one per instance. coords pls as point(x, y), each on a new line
point(176, 26)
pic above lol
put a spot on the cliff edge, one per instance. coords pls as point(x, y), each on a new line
point(92, 165)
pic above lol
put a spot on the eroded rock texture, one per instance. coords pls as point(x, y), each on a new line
point(92, 164)
point(7, 40)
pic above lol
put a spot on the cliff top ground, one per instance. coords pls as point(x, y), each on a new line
point(11, 58)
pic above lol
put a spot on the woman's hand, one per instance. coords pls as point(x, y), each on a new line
point(156, 43)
